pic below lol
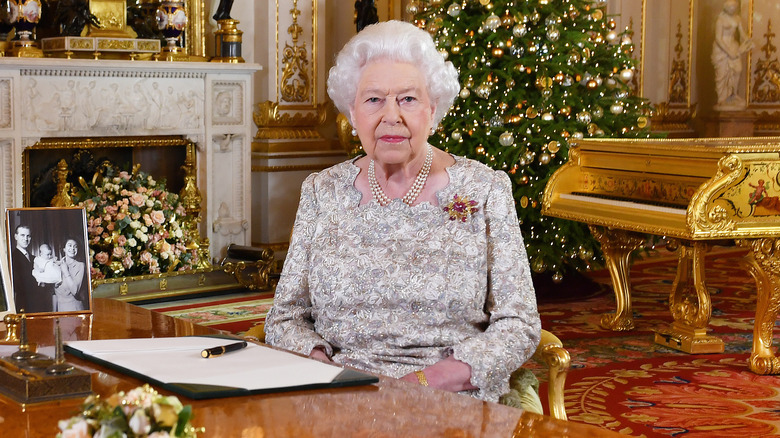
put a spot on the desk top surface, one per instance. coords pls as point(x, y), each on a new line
point(390, 408)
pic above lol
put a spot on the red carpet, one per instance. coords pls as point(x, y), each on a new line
point(624, 382)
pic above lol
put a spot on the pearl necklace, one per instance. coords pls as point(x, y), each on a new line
point(414, 191)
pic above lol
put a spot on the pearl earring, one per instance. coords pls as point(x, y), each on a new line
point(354, 132)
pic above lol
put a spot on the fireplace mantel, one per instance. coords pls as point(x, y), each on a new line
point(207, 103)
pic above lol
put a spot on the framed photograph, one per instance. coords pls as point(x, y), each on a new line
point(48, 256)
point(6, 297)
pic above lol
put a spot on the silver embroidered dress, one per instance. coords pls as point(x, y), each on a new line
point(393, 289)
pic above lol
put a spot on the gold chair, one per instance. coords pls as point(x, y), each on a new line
point(551, 352)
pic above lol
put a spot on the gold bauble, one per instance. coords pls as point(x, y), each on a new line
point(531, 112)
point(497, 52)
point(553, 146)
point(642, 122)
point(507, 20)
point(538, 265)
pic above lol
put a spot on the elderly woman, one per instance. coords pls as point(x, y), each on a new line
point(407, 261)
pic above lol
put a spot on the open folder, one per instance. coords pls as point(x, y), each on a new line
point(176, 364)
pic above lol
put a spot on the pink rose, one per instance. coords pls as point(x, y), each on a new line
point(158, 217)
point(146, 257)
point(121, 240)
point(127, 261)
point(118, 252)
point(101, 257)
point(137, 199)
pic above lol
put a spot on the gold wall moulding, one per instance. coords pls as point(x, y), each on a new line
point(268, 114)
point(295, 83)
point(766, 81)
point(274, 124)
point(767, 122)
point(672, 117)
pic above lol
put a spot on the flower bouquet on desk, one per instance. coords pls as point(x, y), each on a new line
point(141, 413)
point(135, 226)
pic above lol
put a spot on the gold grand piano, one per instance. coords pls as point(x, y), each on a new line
point(695, 192)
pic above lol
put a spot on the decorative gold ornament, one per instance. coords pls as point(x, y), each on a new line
point(294, 83)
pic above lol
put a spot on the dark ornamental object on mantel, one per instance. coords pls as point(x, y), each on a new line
point(24, 16)
point(227, 42)
point(5, 27)
point(71, 16)
point(171, 20)
point(365, 14)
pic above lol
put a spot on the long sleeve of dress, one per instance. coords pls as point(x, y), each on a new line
point(289, 323)
point(514, 329)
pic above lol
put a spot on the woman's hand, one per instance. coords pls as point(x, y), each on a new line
point(319, 354)
point(449, 374)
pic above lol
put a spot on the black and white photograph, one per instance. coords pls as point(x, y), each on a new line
point(6, 303)
point(49, 260)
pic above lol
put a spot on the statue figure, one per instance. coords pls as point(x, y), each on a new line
point(223, 10)
point(730, 44)
point(365, 14)
point(70, 17)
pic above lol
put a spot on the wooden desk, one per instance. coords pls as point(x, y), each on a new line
point(390, 408)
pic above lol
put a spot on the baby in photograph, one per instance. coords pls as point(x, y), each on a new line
point(46, 268)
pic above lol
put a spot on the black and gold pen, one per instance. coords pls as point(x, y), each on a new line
point(222, 349)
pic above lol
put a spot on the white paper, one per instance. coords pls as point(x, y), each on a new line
point(179, 360)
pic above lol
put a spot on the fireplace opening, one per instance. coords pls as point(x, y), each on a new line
point(161, 157)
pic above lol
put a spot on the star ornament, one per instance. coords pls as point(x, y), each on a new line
point(460, 208)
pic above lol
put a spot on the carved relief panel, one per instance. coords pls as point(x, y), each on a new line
point(74, 105)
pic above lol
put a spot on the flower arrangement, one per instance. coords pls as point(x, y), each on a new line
point(134, 225)
point(141, 413)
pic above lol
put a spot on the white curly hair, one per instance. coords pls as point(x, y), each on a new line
point(398, 41)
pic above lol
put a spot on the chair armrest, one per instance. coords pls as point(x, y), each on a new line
point(551, 352)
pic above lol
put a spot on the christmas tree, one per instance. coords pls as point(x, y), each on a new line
point(535, 75)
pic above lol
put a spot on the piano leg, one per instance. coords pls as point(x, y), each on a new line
point(617, 246)
point(764, 265)
point(688, 332)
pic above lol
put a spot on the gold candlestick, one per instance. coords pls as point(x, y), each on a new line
point(59, 366)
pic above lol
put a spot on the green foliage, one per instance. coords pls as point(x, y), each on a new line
point(535, 76)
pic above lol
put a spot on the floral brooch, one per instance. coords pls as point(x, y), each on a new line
point(460, 208)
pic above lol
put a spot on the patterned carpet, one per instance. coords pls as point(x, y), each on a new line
point(621, 380)
point(624, 382)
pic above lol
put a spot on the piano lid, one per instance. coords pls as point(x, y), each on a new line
point(697, 189)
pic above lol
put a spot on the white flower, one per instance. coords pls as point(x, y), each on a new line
point(75, 427)
point(140, 423)
point(178, 233)
point(141, 236)
point(131, 242)
point(135, 225)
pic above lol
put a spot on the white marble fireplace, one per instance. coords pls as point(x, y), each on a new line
point(206, 103)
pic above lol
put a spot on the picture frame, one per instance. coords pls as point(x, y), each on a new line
point(6, 297)
point(48, 261)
